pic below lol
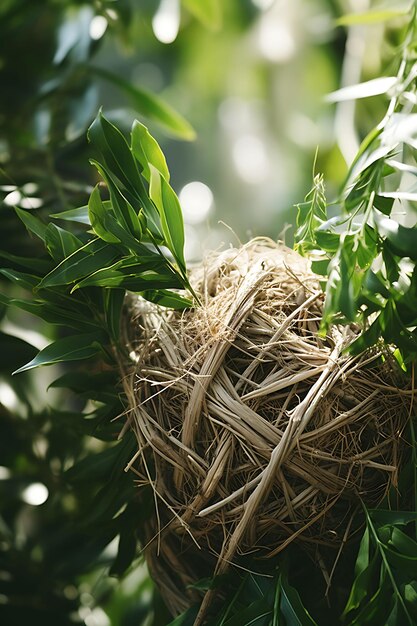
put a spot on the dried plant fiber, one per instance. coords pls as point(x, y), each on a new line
point(252, 429)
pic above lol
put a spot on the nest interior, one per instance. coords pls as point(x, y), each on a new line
point(253, 430)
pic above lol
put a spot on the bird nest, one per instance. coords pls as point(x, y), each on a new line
point(253, 429)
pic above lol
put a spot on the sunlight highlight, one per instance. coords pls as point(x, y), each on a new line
point(166, 21)
point(35, 494)
point(196, 201)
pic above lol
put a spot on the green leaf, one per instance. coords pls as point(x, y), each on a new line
point(94, 255)
point(382, 517)
point(327, 241)
point(169, 209)
point(113, 303)
point(168, 299)
point(383, 203)
point(60, 243)
point(73, 348)
point(402, 240)
point(79, 215)
point(32, 223)
point(106, 465)
point(209, 12)
point(119, 169)
point(292, 608)
point(129, 275)
point(185, 619)
point(22, 279)
point(86, 382)
point(403, 543)
point(120, 207)
point(361, 585)
point(125, 554)
point(116, 153)
point(258, 613)
point(14, 351)
point(150, 105)
point(147, 151)
point(54, 314)
point(370, 17)
point(39, 265)
point(97, 213)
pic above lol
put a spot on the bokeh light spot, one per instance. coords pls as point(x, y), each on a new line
point(98, 27)
point(35, 494)
point(196, 200)
point(166, 21)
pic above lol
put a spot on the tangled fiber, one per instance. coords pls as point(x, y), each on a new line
point(252, 429)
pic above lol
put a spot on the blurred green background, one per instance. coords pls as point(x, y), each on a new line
point(234, 92)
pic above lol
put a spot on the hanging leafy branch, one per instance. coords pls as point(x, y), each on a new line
point(368, 248)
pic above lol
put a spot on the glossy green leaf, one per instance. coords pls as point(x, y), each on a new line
point(42, 266)
point(22, 279)
point(32, 223)
point(132, 278)
point(168, 299)
point(168, 205)
point(54, 314)
point(120, 205)
point(114, 148)
point(60, 243)
point(95, 255)
point(113, 303)
point(147, 151)
point(79, 215)
point(150, 105)
point(97, 212)
point(73, 348)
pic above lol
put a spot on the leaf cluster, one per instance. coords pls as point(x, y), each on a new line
point(254, 599)
point(384, 590)
point(135, 242)
point(367, 248)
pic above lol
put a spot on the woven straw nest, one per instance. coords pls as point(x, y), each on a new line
point(253, 430)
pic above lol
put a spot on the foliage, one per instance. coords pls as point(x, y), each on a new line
point(129, 236)
point(367, 249)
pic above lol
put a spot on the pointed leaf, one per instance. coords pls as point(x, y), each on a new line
point(60, 243)
point(168, 205)
point(292, 608)
point(113, 303)
point(168, 299)
point(147, 151)
point(32, 223)
point(97, 212)
point(79, 215)
point(95, 255)
point(72, 348)
point(150, 105)
point(120, 206)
